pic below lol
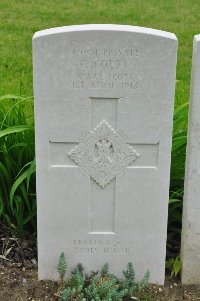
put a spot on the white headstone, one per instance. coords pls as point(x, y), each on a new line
point(103, 108)
point(190, 246)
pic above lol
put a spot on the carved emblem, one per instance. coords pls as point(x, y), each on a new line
point(103, 154)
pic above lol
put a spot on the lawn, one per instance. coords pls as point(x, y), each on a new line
point(21, 18)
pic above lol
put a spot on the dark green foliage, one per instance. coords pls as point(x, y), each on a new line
point(143, 283)
point(102, 289)
point(179, 146)
point(177, 179)
point(129, 279)
point(62, 266)
point(76, 281)
point(17, 164)
point(105, 270)
point(99, 286)
point(71, 294)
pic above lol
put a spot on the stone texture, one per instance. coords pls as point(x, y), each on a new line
point(103, 112)
point(190, 247)
point(94, 154)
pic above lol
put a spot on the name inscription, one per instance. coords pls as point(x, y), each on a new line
point(104, 68)
point(109, 246)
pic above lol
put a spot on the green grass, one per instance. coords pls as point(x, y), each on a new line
point(21, 18)
point(17, 164)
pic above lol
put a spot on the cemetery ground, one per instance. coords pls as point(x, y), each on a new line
point(18, 281)
point(19, 277)
point(22, 285)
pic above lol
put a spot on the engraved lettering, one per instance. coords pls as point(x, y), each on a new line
point(110, 68)
point(107, 52)
point(103, 246)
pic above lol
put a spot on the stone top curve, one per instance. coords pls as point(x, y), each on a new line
point(196, 44)
point(105, 27)
point(197, 38)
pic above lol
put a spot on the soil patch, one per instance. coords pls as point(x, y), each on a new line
point(18, 275)
point(21, 284)
point(18, 284)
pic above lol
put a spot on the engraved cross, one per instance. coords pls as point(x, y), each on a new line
point(103, 154)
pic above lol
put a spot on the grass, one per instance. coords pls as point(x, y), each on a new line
point(17, 164)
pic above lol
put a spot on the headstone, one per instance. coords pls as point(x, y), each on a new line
point(190, 246)
point(103, 108)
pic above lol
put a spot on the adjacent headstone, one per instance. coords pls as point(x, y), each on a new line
point(190, 247)
point(104, 109)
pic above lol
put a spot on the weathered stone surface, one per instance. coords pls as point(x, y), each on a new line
point(190, 246)
point(103, 108)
